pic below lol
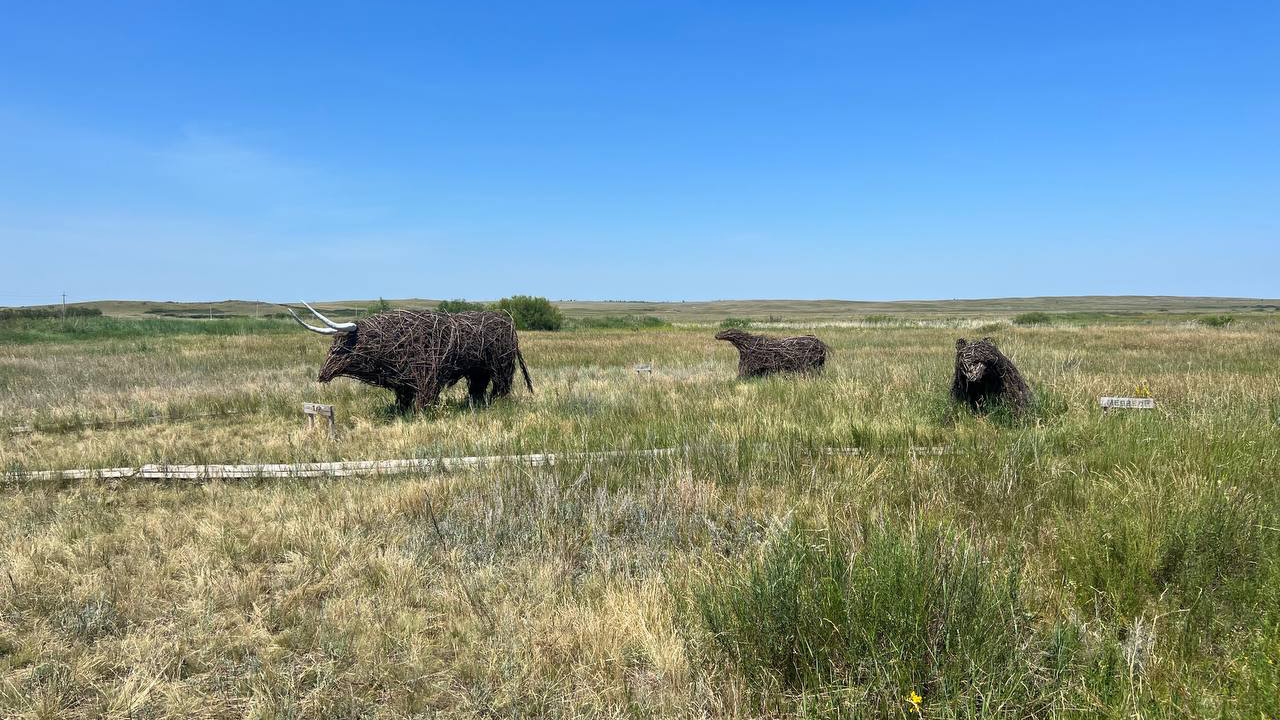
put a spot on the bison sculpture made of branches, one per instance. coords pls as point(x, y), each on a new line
point(419, 354)
point(760, 355)
point(984, 376)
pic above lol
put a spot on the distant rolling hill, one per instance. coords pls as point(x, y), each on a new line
point(715, 310)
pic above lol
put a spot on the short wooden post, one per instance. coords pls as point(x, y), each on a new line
point(311, 410)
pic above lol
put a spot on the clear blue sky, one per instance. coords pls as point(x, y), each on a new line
point(874, 150)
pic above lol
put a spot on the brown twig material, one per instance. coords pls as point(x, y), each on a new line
point(763, 355)
point(419, 354)
point(984, 376)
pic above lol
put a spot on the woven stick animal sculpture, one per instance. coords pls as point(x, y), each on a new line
point(984, 376)
point(419, 354)
point(760, 355)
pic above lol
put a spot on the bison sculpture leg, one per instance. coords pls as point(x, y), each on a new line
point(428, 395)
point(504, 371)
point(477, 382)
point(404, 399)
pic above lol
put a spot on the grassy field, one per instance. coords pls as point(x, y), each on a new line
point(1071, 564)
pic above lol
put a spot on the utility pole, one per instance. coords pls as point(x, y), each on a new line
point(64, 307)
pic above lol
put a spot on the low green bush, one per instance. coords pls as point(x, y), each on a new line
point(1032, 318)
point(106, 327)
point(532, 313)
point(1216, 321)
point(460, 305)
point(733, 322)
point(621, 322)
point(47, 313)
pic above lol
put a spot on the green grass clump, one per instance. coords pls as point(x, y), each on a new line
point(620, 322)
point(735, 322)
point(1032, 318)
point(1216, 321)
point(876, 613)
point(1200, 550)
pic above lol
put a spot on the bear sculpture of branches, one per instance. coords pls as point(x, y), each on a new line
point(984, 377)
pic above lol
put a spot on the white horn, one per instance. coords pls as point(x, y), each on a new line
point(312, 328)
point(340, 327)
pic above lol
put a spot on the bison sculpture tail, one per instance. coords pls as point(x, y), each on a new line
point(524, 370)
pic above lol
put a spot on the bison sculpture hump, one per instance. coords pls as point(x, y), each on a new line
point(763, 355)
point(419, 354)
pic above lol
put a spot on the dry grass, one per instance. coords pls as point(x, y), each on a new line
point(566, 591)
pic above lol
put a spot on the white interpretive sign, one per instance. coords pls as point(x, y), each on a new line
point(1128, 403)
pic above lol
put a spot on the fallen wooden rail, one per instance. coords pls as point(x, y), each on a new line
point(370, 467)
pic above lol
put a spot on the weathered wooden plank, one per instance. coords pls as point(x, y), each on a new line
point(376, 467)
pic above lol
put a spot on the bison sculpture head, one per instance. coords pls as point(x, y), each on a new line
point(345, 358)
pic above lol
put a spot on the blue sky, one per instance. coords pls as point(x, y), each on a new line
point(875, 150)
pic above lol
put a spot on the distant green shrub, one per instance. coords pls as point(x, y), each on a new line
point(47, 313)
point(532, 313)
point(103, 327)
point(381, 306)
point(1216, 321)
point(733, 322)
point(876, 609)
point(1032, 318)
point(877, 319)
point(459, 305)
point(621, 322)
